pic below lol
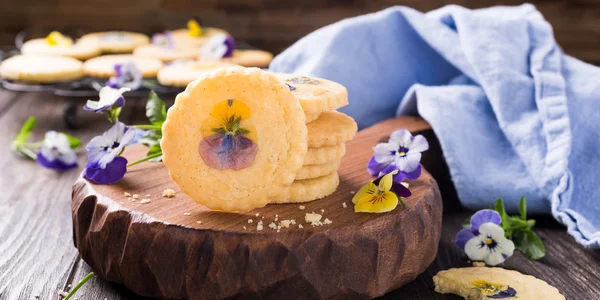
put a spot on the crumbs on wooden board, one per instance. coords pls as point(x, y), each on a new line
point(168, 193)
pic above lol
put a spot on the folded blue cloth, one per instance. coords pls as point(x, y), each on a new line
point(514, 115)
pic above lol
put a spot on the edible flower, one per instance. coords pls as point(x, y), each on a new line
point(217, 47)
point(380, 195)
point(194, 28)
point(164, 40)
point(116, 36)
point(56, 152)
point(111, 100)
point(228, 147)
point(493, 289)
point(402, 152)
point(105, 166)
point(485, 240)
point(127, 75)
point(56, 38)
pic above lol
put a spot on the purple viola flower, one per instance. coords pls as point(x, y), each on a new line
point(127, 75)
point(56, 152)
point(164, 40)
point(219, 46)
point(485, 240)
point(104, 165)
point(402, 152)
point(109, 98)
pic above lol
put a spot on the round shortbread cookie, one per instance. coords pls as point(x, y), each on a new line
point(316, 94)
point(116, 41)
point(310, 189)
point(249, 58)
point(316, 171)
point(234, 139)
point(104, 66)
point(482, 282)
point(182, 38)
point(81, 50)
point(181, 74)
point(166, 54)
point(41, 68)
point(323, 155)
point(311, 117)
point(331, 128)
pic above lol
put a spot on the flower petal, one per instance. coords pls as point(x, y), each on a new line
point(494, 258)
point(475, 250)
point(400, 190)
point(55, 164)
point(385, 202)
point(463, 237)
point(384, 153)
point(408, 163)
point(367, 190)
point(375, 168)
point(485, 216)
point(408, 175)
point(491, 230)
point(223, 151)
point(385, 184)
point(419, 144)
point(114, 171)
point(401, 138)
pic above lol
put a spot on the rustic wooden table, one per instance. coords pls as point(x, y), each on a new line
point(38, 259)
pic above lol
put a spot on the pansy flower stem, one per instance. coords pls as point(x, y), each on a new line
point(79, 285)
point(147, 158)
point(27, 152)
point(151, 127)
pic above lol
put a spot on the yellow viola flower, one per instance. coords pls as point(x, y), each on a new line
point(489, 288)
point(373, 198)
point(194, 28)
point(56, 38)
point(230, 108)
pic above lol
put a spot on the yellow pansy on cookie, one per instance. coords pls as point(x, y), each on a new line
point(235, 139)
point(56, 38)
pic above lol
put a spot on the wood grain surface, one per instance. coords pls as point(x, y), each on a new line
point(37, 256)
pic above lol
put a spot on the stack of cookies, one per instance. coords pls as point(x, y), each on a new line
point(238, 138)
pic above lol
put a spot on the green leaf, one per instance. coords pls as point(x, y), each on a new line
point(151, 138)
point(242, 131)
point(467, 223)
point(506, 221)
point(24, 133)
point(523, 208)
point(154, 150)
point(73, 141)
point(530, 244)
point(156, 109)
point(219, 131)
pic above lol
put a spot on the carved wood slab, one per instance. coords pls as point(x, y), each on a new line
point(173, 248)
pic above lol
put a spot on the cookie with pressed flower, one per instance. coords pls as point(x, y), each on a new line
point(81, 50)
point(116, 41)
point(249, 58)
point(104, 66)
point(41, 68)
point(166, 54)
point(493, 283)
point(316, 95)
point(331, 128)
point(310, 189)
point(234, 139)
point(316, 171)
point(194, 37)
point(180, 74)
point(323, 155)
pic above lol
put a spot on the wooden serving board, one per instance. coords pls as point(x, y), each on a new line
point(174, 248)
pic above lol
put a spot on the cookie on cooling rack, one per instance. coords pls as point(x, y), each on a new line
point(43, 69)
point(116, 41)
point(104, 66)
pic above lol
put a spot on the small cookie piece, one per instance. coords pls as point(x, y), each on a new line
point(323, 155)
point(81, 50)
point(180, 74)
point(166, 54)
point(311, 117)
point(310, 189)
point(316, 95)
point(331, 128)
point(116, 41)
point(183, 38)
point(249, 58)
point(41, 68)
point(234, 139)
point(104, 66)
point(478, 283)
point(316, 171)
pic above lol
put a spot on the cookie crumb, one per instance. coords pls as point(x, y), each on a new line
point(187, 214)
point(259, 226)
point(313, 218)
point(405, 184)
point(148, 195)
point(293, 222)
point(322, 211)
point(135, 196)
point(244, 227)
point(273, 226)
point(327, 221)
point(257, 214)
point(250, 221)
point(285, 223)
point(352, 192)
point(63, 293)
point(344, 205)
point(126, 194)
point(198, 222)
point(300, 226)
point(301, 207)
point(168, 193)
point(478, 264)
point(145, 200)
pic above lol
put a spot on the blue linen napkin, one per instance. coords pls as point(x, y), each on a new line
point(514, 115)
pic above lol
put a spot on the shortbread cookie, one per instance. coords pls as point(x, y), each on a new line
point(316, 94)
point(116, 41)
point(166, 54)
point(323, 155)
point(480, 283)
point(331, 128)
point(81, 50)
point(104, 66)
point(311, 117)
point(310, 189)
point(234, 139)
point(41, 68)
point(249, 58)
point(183, 38)
point(181, 74)
point(315, 171)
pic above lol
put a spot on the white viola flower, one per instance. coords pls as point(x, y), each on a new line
point(126, 75)
point(56, 153)
point(217, 47)
point(402, 152)
point(489, 245)
point(109, 97)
